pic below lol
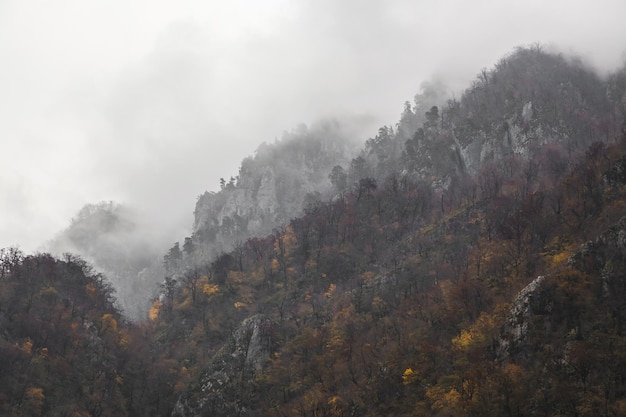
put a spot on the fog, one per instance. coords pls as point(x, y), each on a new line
point(149, 103)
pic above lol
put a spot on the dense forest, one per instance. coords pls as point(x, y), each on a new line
point(469, 261)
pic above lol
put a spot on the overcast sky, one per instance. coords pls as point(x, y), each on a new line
point(150, 102)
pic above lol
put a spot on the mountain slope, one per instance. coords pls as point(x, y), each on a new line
point(399, 314)
point(529, 99)
point(395, 297)
point(469, 262)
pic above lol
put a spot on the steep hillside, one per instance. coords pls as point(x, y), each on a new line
point(66, 350)
point(531, 98)
point(468, 262)
point(380, 303)
point(404, 295)
point(61, 339)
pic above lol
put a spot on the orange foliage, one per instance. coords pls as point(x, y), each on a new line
point(330, 291)
point(210, 289)
point(154, 310)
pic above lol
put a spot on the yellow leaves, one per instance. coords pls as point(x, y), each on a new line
point(337, 406)
point(35, 394)
point(210, 289)
point(378, 303)
point(464, 340)
point(123, 342)
point(153, 313)
point(409, 376)
point(479, 334)
point(452, 397)
point(108, 322)
point(286, 243)
point(34, 401)
point(238, 305)
point(185, 306)
point(26, 347)
point(275, 265)
point(335, 342)
point(560, 258)
point(91, 290)
point(558, 251)
point(331, 290)
point(124, 337)
point(444, 395)
point(108, 325)
point(335, 400)
point(42, 355)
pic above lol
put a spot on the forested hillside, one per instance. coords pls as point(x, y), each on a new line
point(65, 350)
point(470, 262)
point(388, 302)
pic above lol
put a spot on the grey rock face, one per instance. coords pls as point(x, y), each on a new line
point(529, 301)
point(225, 389)
point(273, 187)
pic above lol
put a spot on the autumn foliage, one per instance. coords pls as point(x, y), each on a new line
point(402, 295)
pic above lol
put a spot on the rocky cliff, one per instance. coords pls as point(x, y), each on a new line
point(532, 300)
point(222, 387)
point(272, 187)
point(530, 99)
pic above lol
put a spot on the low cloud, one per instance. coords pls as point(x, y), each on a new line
point(150, 103)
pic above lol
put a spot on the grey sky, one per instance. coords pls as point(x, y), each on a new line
point(149, 103)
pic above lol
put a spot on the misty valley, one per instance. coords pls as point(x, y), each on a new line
point(468, 261)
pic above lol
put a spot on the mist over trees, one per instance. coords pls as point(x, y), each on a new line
point(467, 261)
point(115, 240)
point(273, 186)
